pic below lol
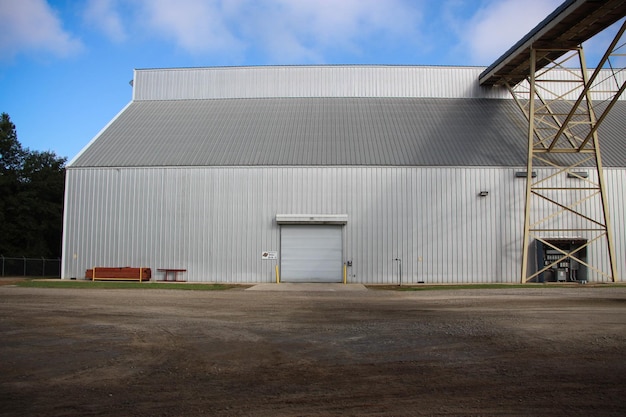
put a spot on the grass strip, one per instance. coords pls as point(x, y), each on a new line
point(123, 285)
point(445, 287)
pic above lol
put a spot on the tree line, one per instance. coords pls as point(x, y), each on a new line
point(31, 198)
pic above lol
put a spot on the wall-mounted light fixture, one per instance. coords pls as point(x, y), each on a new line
point(577, 174)
point(524, 174)
point(483, 193)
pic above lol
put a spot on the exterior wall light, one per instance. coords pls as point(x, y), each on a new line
point(578, 174)
point(483, 193)
point(524, 174)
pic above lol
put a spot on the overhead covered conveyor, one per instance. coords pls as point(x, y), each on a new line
point(565, 103)
point(571, 24)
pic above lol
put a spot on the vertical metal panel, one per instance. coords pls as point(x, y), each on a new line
point(311, 81)
point(616, 195)
point(332, 81)
point(215, 222)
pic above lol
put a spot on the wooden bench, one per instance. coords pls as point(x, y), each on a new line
point(102, 273)
point(174, 273)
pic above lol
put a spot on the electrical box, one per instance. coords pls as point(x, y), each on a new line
point(561, 268)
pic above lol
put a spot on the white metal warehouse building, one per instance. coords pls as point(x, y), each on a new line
point(230, 172)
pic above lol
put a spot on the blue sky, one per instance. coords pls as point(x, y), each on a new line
point(65, 65)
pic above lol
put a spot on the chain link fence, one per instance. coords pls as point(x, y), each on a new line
point(30, 267)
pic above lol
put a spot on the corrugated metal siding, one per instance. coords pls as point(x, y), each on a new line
point(616, 195)
point(216, 221)
point(311, 81)
point(334, 81)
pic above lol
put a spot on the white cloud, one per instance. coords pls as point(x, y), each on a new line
point(31, 25)
point(283, 31)
point(500, 24)
point(103, 15)
point(280, 45)
point(197, 26)
point(329, 21)
point(296, 30)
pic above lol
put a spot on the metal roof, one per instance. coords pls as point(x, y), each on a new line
point(572, 23)
point(324, 132)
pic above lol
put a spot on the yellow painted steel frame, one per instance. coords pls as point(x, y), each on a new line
point(563, 115)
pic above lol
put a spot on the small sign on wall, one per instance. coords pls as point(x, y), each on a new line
point(269, 255)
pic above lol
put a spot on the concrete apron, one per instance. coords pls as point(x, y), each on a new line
point(307, 287)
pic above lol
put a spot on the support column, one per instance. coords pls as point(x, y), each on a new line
point(564, 107)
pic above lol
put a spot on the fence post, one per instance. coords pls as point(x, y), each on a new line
point(24, 265)
point(43, 267)
point(2, 264)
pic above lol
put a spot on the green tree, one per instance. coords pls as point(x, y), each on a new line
point(41, 200)
point(11, 156)
point(31, 210)
point(11, 152)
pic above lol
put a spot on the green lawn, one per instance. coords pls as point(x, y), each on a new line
point(125, 285)
point(443, 287)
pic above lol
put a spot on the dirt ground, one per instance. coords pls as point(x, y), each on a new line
point(504, 352)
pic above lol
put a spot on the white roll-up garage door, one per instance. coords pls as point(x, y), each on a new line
point(311, 253)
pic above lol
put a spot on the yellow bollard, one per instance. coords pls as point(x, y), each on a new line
point(277, 275)
point(345, 274)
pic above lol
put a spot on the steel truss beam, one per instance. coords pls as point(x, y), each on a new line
point(563, 115)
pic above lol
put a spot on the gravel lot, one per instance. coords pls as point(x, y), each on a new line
point(313, 352)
